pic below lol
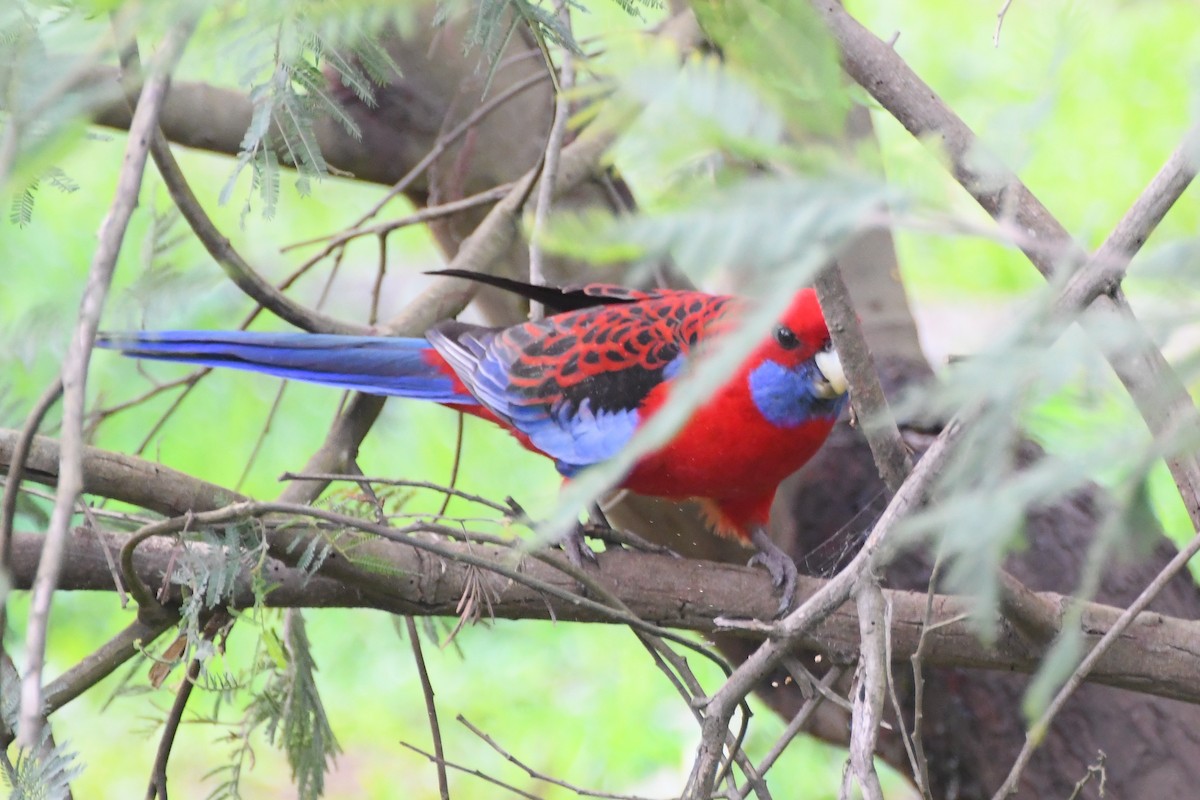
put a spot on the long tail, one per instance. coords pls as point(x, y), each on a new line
point(372, 364)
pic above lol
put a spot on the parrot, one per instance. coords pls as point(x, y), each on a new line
point(577, 384)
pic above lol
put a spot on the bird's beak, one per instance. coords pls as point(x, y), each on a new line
point(830, 366)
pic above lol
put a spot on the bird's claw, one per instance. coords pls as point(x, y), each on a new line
point(574, 544)
point(577, 550)
point(779, 565)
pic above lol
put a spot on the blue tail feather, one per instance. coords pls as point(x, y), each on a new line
point(371, 364)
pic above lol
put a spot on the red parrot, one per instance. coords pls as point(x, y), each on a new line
point(577, 384)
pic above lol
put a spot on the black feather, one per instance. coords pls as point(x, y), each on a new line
point(558, 300)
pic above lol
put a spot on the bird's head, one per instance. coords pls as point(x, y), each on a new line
point(796, 375)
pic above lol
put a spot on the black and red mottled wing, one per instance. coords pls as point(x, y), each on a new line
point(575, 383)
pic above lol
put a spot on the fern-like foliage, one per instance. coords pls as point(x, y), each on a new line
point(302, 727)
point(30, 116)
point(496, 20)
point(286, 707)
point(44, 773)
point(292, 76)
point(210, 567)
point(21, 210)
point(291, 711)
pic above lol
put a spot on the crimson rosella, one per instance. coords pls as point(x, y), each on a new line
point(577, 384)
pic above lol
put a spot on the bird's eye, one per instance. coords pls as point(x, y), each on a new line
point(786, 337)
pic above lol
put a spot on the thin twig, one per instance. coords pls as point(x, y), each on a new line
point(920, 771)
point(94, 527)
point(12, 486)
point(471, 771)
point(535, 774)
point(74, 373)
point(150, 394)
point(1000, 15)
point(134, 520)
point(455, 464)
point(797, 724)
point(1097, 769)
point(553, 151)
point(436, 487)
point(435, 730)
point(426, 214)
point(261, 438)
point(921, 767)
point(1038, 730)
point(802, 675)
point(158, 773)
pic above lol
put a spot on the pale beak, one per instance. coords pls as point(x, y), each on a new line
point(830, 366)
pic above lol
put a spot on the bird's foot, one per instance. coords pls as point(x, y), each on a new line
point(780, 566)
point(600, 528)
point(574, 544)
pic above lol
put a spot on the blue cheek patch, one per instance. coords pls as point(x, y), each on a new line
point(787, 397)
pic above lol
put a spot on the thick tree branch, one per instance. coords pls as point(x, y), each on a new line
point(126, 644)
point(1158, 655)
point(209, 118)
point(129, 479)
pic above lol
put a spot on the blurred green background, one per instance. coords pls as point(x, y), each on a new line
point(1084, 100)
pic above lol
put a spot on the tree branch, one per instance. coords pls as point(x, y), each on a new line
point(74, 372)
point(1157, 655)
point(129, 479)
point(1159, 394)
point(210, 118)
point(1157, 391)
point(231, 262)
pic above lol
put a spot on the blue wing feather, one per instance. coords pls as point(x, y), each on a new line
point(575, 431)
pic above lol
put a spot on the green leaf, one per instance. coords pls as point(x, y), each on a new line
point(759, 223)
point(784, 48)
point(1140, 521)
point(1056, 667)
